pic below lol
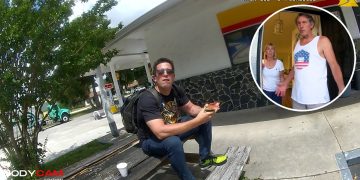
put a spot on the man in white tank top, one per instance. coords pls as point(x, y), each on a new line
point(309, 72)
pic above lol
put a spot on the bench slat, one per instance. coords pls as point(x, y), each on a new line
point(237, 157)
point(139, 165)
point(73, 169)
point(144, 167)
point(134, 157)
point(107, 169)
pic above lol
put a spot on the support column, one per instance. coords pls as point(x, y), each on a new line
point(116, 84)
point(351, 23)
point(106, 105)
point(146, 62)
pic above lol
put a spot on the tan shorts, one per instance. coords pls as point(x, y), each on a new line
point(300, 106)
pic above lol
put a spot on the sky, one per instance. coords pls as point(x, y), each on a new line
point(125, 11)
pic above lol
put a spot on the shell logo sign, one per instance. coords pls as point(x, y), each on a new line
point(256, 11)
point(348, 3)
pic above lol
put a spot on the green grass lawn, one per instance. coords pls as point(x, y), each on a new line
point(76, 155)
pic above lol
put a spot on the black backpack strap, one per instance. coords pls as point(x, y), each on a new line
point(175, 88)
point(156, 95)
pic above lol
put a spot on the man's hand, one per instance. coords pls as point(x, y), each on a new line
point(281, 89)
point(283, 85)
point(341, 89)
point(205, 115)
point(215, 106)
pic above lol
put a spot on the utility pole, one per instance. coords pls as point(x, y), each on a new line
point(105, 102)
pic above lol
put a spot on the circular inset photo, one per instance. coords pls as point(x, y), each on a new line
point(302, 58)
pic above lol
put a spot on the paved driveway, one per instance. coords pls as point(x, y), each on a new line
point(80, 130)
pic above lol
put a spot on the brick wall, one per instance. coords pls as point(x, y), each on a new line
point(233, 87)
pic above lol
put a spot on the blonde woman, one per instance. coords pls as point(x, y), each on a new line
point(273, 73)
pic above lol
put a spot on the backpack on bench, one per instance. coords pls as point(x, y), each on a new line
point(129, 110)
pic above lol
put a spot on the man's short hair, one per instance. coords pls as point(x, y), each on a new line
point(162, 60)
point(308, 16)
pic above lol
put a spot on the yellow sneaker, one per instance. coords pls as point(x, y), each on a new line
point(217, 160)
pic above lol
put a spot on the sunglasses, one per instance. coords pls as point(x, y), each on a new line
point(163, 71)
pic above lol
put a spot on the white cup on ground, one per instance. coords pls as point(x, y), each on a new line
point(122, 167)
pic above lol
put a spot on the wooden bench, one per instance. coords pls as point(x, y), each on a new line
point(238, 156)
point(140, 165)
point(232, 169)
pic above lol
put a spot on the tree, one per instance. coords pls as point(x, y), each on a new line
point(78, 90)
point(41, 53)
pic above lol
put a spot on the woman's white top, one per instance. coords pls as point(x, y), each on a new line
point(271, 76)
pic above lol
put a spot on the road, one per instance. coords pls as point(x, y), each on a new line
point(80, 130)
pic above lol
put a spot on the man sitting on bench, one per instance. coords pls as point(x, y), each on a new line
point(160, 130)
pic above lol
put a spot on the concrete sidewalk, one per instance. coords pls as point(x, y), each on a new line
point(290, 145)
